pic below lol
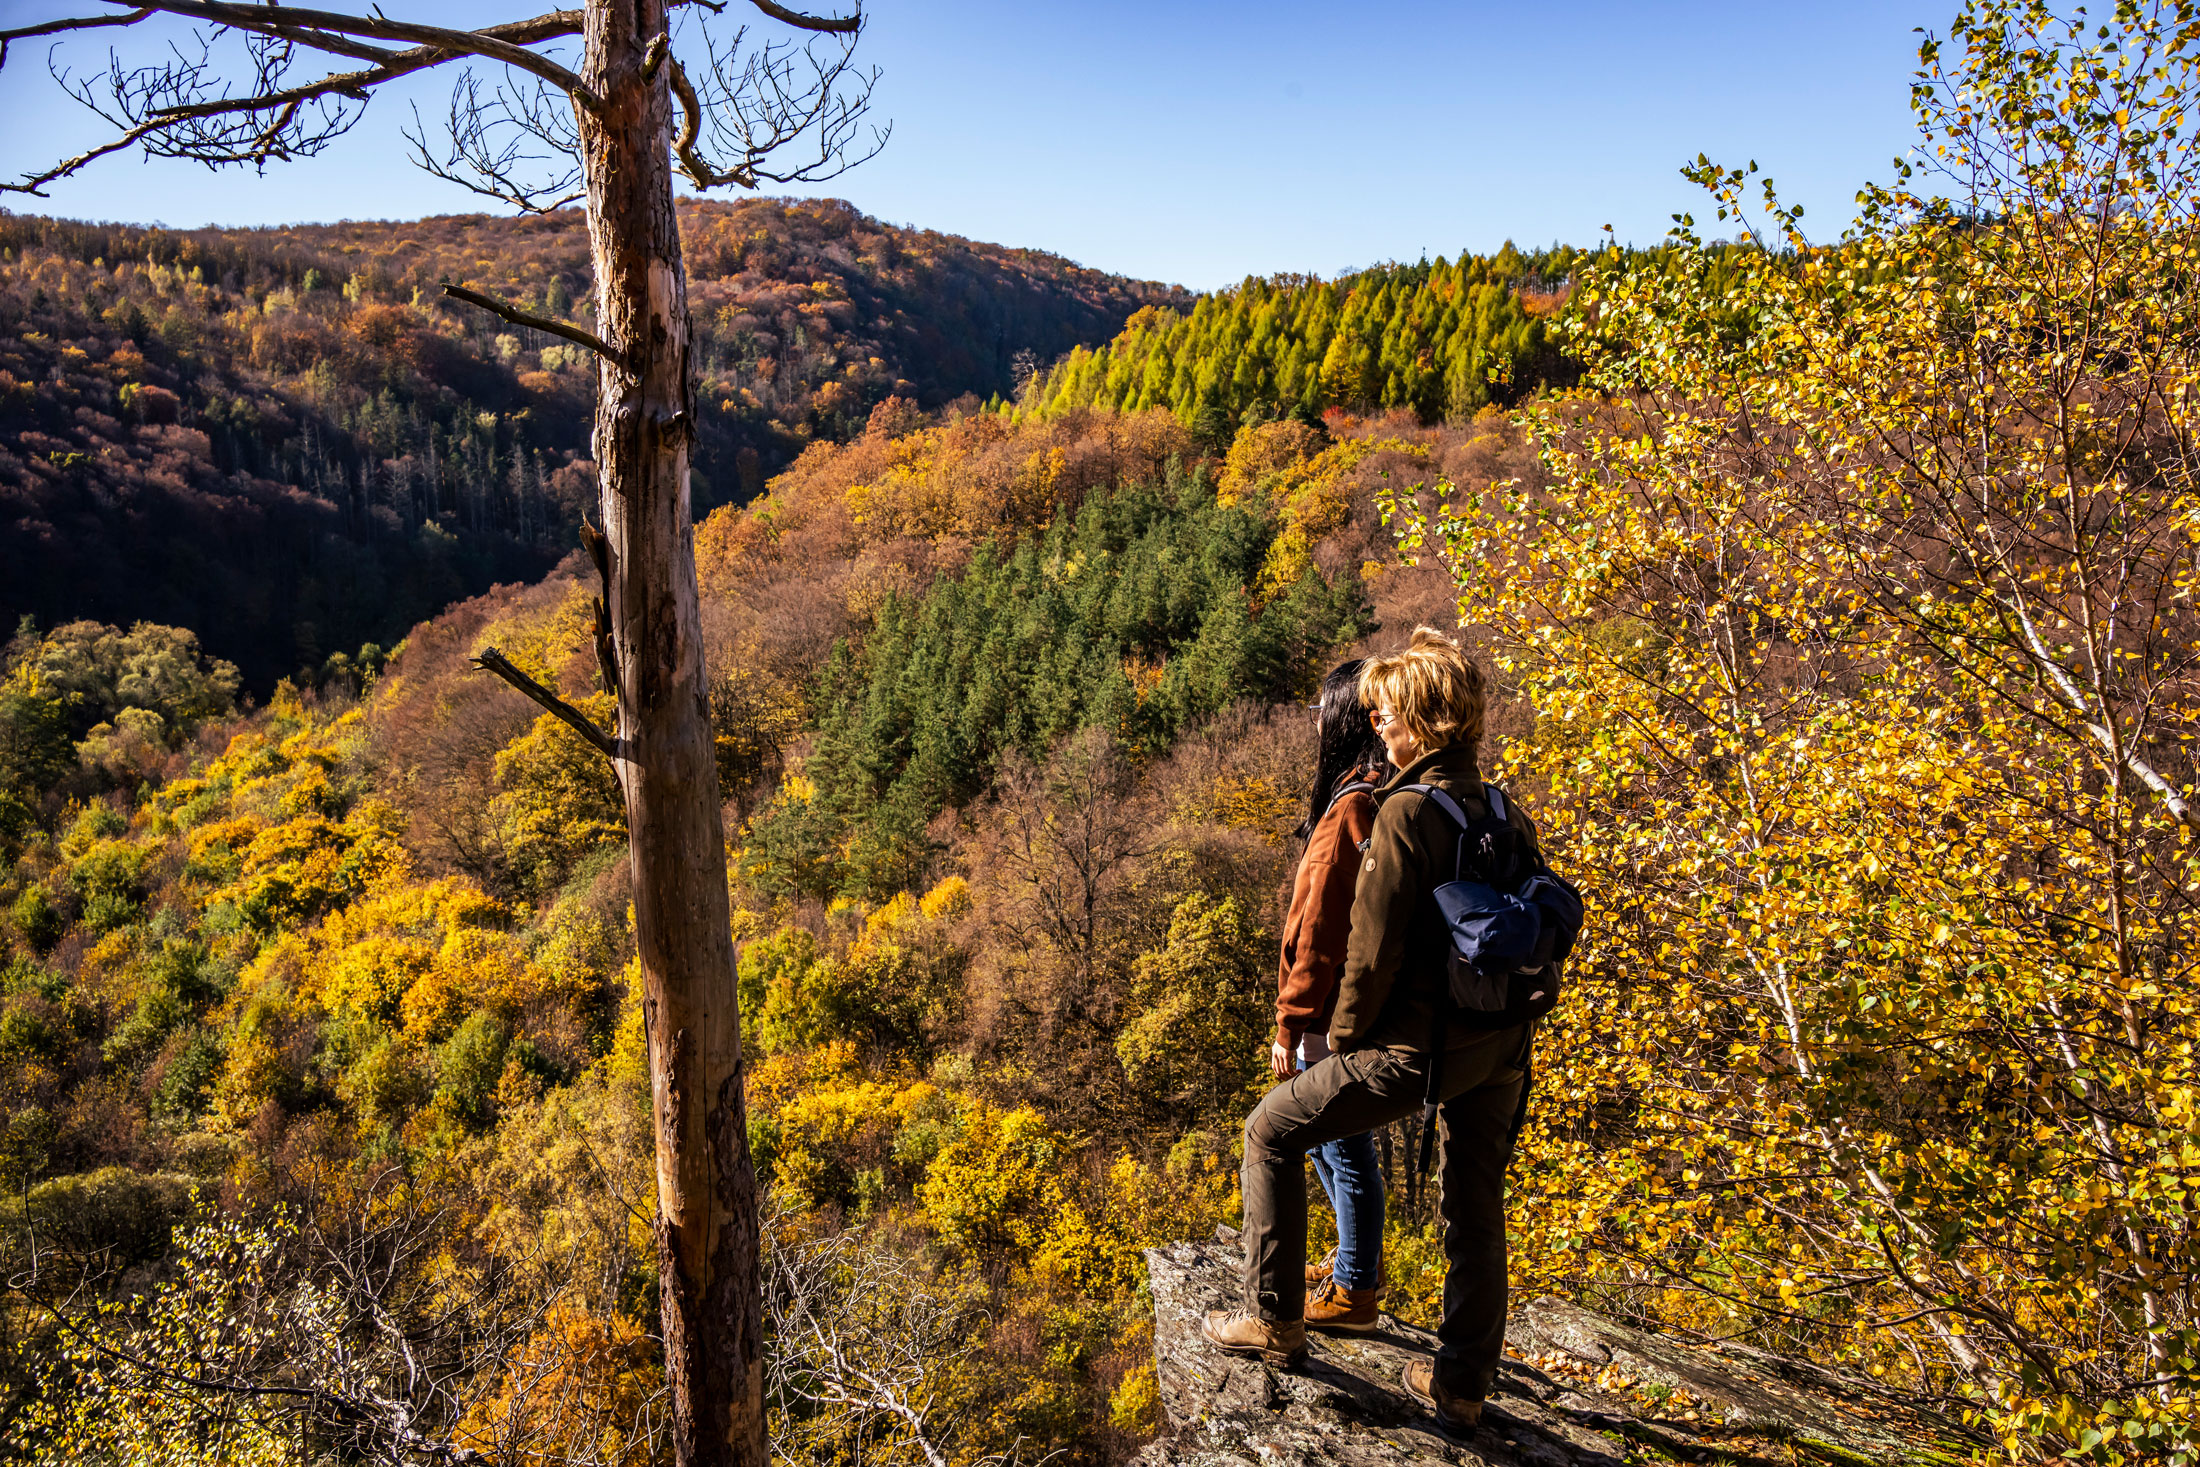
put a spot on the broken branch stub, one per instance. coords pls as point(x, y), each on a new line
point(491, 660)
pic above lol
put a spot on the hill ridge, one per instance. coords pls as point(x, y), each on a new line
point(286, 440)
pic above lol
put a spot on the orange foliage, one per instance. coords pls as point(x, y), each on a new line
point(577, 1386)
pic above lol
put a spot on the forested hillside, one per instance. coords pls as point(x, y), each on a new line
point(963, 671)
point(288, 441)
point(1838, 620)
point(1439, 338)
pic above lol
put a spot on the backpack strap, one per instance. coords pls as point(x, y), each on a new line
point(1357, 787)
point(1491, 795)
point(1432, 1096)
point(1431, 1099)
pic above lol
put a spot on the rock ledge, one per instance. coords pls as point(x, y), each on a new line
point(1575, 1390)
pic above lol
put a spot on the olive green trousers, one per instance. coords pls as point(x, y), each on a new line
point(1347, 1094)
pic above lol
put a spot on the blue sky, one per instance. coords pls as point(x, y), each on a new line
point(1201, 141)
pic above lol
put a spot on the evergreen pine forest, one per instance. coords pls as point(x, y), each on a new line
point(1836, 592)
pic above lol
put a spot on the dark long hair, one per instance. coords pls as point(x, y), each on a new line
point(1348, 741)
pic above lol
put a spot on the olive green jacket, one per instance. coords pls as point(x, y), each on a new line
point(1396, 961)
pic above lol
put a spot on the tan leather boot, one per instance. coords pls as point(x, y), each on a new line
point(1347, 1311)
point(1318, 1273)
point(1278, 1342)
point(1453, 1413)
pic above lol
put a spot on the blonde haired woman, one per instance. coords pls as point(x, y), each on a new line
point(1426, 704)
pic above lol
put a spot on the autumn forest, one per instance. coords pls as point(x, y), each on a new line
point(1835, 596)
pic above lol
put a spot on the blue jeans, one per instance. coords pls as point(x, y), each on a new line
point(1353, 1179)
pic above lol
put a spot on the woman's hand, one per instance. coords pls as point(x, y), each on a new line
point(1280, 1058)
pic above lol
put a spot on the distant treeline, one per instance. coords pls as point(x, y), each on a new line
point(288, 441)
point(1440, 338)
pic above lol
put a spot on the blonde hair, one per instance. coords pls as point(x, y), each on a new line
point(1432, 687)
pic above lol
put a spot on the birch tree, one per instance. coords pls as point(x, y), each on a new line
point(1857, 613)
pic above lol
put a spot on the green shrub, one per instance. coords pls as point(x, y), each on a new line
point(107, 910)
point(20, 975)
point(469, 1064)
point(110, 879)
point(26, 1141)
point(187, 1078)
point(385, 1084)
point(188, 970)
point(35, 749)
point(116, 1209)
point(37, 1026)
point(17, 821)
point(94, 823)
point(158, 1011)
point(38, 919)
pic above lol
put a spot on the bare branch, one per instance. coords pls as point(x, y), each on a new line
point(843, 25)
point(858, 1343)
point(756, 103)
point(165, 110)
point(691, 124)
point(35, 184)
point(490, 146)
point(231, 129)
point(519, 317)
point(2095, 719)
point(491, 660)
point(328, 30)
point(172, 110)
point(56, 27)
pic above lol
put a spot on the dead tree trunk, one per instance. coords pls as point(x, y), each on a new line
point(751, 101)
point(706, 1182)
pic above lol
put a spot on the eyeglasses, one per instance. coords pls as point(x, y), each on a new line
point(1381, 717)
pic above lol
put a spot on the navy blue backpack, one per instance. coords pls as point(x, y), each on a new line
point(1513, 921)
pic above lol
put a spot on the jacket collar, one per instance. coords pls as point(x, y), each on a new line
point(1452, 767)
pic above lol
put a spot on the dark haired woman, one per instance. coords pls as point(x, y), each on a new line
point(1346, 1287)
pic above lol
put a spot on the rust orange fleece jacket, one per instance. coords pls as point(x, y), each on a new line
point(1320, 918)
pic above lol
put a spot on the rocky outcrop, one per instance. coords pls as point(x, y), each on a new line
point(1575, 1390)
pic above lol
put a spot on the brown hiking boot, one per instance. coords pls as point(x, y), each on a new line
point(1453, 1413)
point(1276, 1341)
point(1319, 1273)
point(1352, 1311)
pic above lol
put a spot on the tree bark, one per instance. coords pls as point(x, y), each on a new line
point(706, 1183)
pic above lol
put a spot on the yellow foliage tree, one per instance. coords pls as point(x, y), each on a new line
point(558, 801)
point(1202, 1013)
point(998, 1187)
point(1860, 638)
